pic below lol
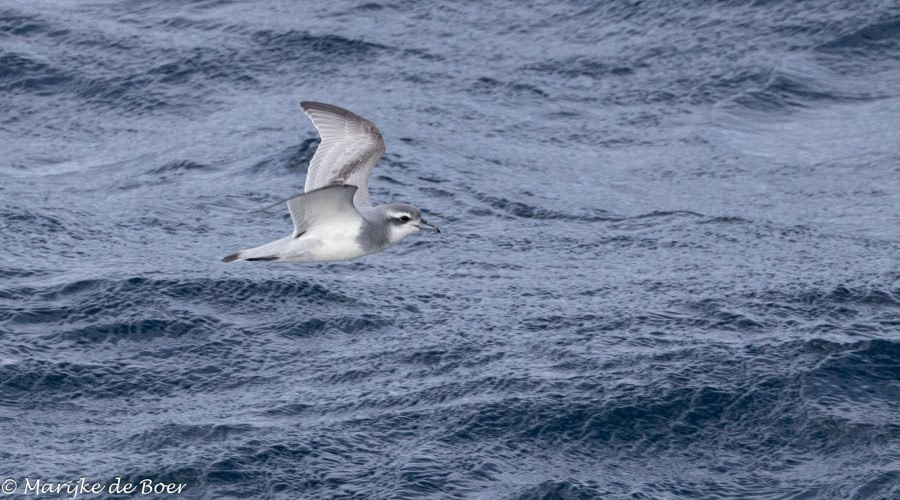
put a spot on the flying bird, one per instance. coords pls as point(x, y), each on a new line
point(334, 218)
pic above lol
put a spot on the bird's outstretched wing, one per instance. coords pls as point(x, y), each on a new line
point(350, 148)
point(330, 206)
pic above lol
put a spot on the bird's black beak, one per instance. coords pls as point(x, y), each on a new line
point(425, 225)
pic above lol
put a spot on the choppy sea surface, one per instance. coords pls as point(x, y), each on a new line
point(670, 265)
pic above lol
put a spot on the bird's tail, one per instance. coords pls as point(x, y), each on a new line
point(232, 257)
point(242, 255)
point(269, 251)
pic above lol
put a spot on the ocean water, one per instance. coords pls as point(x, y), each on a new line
point(669, 266)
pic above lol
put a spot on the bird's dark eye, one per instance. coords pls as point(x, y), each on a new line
point(404, 218)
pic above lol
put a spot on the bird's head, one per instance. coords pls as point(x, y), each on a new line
point(404, 220)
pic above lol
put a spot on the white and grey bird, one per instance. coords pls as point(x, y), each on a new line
point(334, 218)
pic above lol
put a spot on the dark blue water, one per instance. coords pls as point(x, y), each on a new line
point(669, 266)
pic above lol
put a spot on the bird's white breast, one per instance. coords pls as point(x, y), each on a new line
point(337, 241)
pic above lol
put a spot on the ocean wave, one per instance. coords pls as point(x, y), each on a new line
point(873, 40)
